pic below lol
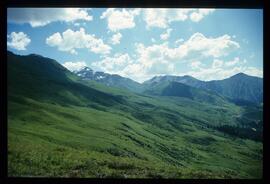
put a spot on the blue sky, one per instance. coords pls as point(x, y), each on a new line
point(208, 44)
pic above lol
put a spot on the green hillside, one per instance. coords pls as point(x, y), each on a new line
point(239, 87)
point(167, 88)
point(60, 126)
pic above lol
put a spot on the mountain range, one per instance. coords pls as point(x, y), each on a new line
point(62, 124)
point(239, 87)
point(114, 80)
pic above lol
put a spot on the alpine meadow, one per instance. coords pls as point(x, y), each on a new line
point(135, 93)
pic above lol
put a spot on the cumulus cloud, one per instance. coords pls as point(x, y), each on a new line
point(160, 59)
point(166, 35)
point(121, 64)
point(213, 73)
point(177, 42)
point(71, 40)
point(120, 19)
point(253, 71)
point(233, 62)
point(196, 46)
point(219, 70)
point(199, 14)
point(215, 47)
point(18, 41)
point(195, 64)
point(43, 16)
point(162, 17)
point(217, 63)
point(222, 73)
point(74, 65)
point(113, 64)
point(116, 38)
point(77, 24)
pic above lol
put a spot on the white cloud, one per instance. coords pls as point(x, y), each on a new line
point(253, 71)
point(113, 64)
point(233, 62)
point(155, 18)
point(43, 16)
point(196, 46)
point(157, 58)
point(71, 40)
point(161, 59)
point(195, 64)
point(177, 42)
point(212, 73)
point(215, 47)
point(199, 14)
point(74, 65)
point(162, 17)
point(120, 19)
point(116, 38)
point(218, 72)
point(217, 63)
point(121, 64)
point(137, 72)
point(150, 55)
point(221, 73)
point(77, 24)
point(18, 40)
point(166, 35)
point(196, 17)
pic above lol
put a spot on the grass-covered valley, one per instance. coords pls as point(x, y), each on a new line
point(62, 126)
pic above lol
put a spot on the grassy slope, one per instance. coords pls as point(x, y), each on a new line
point(168, 88)
point(57, 127)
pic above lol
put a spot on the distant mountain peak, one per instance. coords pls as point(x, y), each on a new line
point(238, 86)
point(188, 77)
point(86, 68)
point(241, 75)
point(115, 80)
